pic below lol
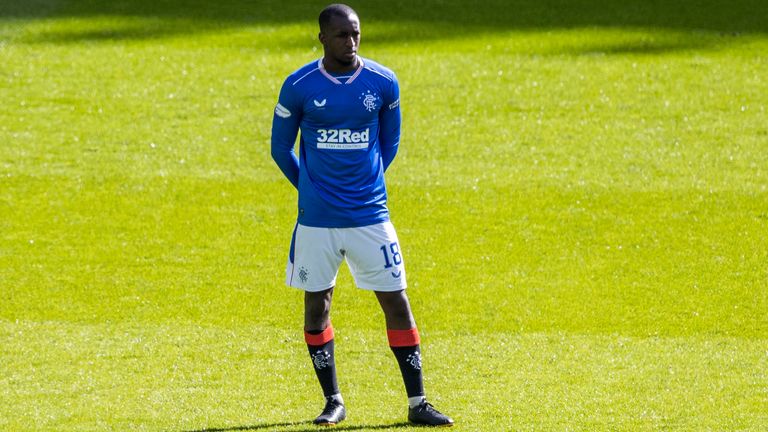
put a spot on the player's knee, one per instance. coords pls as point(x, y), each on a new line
point(317, 309)
point(317, 312)
point(393, 301)
point(397, 312)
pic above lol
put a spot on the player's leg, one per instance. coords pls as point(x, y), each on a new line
point(318, 333)
point(313, 263)
point(376, 262)
point(405, 343)
point(317, 310)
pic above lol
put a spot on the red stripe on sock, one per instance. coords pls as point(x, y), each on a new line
point(319, 339)
point(403, 338)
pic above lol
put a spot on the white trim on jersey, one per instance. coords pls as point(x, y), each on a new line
point(333, 78)
point(357, 72)
point(303, 76)
point(379, 73)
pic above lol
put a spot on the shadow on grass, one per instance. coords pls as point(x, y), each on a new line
point(415, 21)
point(133, 30)
point(310, 427)
point(640, 47)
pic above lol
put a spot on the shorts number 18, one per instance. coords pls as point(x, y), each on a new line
point(395, 259)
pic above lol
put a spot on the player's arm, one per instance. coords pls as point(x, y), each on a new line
point(285, 127)
point(389, 125)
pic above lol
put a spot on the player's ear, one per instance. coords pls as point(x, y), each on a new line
point(321, 38)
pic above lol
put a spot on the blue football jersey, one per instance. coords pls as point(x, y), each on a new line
point(350, 132)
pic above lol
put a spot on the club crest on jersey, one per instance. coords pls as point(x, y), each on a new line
point(371, 101)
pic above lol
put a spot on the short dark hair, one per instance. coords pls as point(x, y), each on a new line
point(332, 10)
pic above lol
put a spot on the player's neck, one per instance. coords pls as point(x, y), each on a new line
point(333, 66)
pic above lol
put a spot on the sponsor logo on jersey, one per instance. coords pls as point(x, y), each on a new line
point(342, 139)
point(319, 104)
point(370, 100)
point(394, 104)
point(282, 111)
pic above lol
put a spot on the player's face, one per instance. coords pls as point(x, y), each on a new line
point(341, 39)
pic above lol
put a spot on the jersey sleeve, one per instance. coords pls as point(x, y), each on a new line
point(389, 124)
point(285, 127)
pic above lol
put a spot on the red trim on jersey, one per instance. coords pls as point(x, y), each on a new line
point(319, 339)
point(403, 338)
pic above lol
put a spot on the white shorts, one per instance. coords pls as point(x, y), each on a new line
point(372, 253)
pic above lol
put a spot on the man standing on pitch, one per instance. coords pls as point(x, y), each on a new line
point(347, 109)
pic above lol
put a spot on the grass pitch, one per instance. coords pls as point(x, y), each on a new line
point(581, 196)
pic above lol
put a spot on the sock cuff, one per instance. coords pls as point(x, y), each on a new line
point(319, 339)
point(403, 338)
point(414, 401)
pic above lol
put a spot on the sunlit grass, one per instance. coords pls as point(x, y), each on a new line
point(583, 209)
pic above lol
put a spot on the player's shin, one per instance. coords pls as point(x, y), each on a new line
point(405, 346)
point(321, 351)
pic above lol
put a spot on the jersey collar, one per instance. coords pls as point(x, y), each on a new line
point(333, 78)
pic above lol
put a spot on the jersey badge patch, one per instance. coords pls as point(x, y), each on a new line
point(282, 111)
